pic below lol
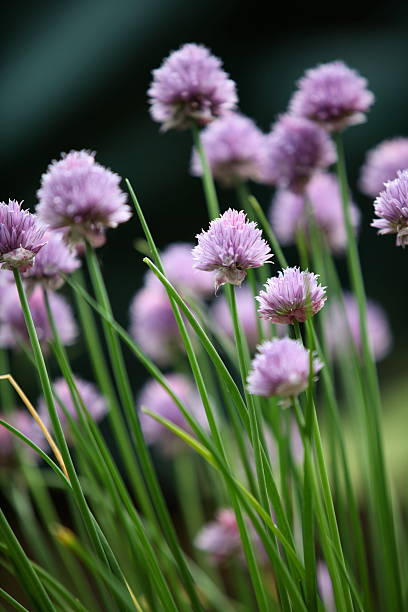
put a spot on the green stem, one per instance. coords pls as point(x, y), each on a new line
point(382, 502)
point(6, 395)
point(207, 178)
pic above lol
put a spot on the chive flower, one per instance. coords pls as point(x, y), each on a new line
point(220, 538)
point(391, 208)
point(333, 95)
point(291, 212)
point(295, 149)
point(382, 164)
point(21, 236)
point(292, 295)
point(54, 260)
point(190, 88)
point(10, 443)
point(342, 324)
point(156, 399)
point(235, 150)
point(231, 246)
point(281, 367)
point(82, 197)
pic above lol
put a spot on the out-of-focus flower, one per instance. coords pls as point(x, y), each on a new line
point(295, 149)
point(289, 212)
point(343, 324)
point(382, 164)
point(246, 306)
point(333, 95)
point(53, 261)
point(231, 246)
point(9, 443)
point(82, 197)
point(281, 367)
point(220, 538)
point(190, 87)
point(391, 206)
point(325, 587)
point(177, 262)
point(89, 393)
point(152, 324)
point(293, 295)
point(12, 324)
point(21, 236)
point(235, 150)
point(156, 399)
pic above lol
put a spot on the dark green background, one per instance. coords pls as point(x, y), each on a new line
point(75, 74)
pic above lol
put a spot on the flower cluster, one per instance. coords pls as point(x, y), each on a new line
point(382, 164)
point(231, 246)
point(21, 236)
point(333, 95)
point(295, 149)
point(281, 367)
point(53, 261)
point(391, 208)
point(235, 150)
point(81, 197)
point(190, 88)
point(293, 295)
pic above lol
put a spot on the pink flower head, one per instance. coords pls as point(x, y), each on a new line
point(295, 149)
point(343, 324)
point(246, 306)
point(325, 587)
point(190, 87)
point(177, 262)
point(53, 261)
point(333, 95)
point(152, 324)
point(235, 150)
point(290, 213)
point(281, 367)
point(382, 164)
point(21, 236)
point(391, 206)
point(156, 399)
point(230, 246)
point(220, 538)
point(81, 196)
point(13, 329)
point(293, 295)
point(9, 443)
point(89, 393)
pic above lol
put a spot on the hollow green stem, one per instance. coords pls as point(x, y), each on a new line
point(207, 178)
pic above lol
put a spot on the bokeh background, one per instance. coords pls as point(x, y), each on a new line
point(74, 75)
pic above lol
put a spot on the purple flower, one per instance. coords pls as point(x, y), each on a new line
point(13, 329)
point(55, 259)
point(289, 212)
point(230, 246)
point(21, 236)
point(177, 262)
point(293, 295)
point(81, 196)
point(9, 443)
point(246, 306)
point(220, 538)
point(332, 94)
point(153, 326)
point(190, 87)
point(89, 393)
point(235, 150)
point(295, 149)
point(281, 367)
point(382, 164)
point(343, 324)
point(156, 399)
point(325, 587)
point(391, 206)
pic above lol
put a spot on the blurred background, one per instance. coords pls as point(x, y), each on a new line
point(75, 74)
